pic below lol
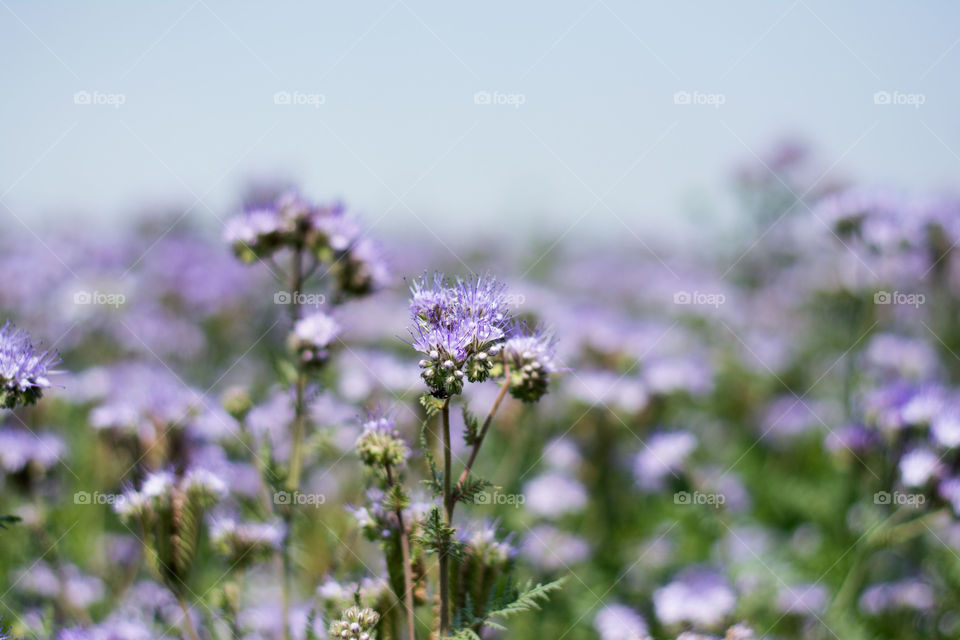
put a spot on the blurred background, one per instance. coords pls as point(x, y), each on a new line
point(739, 219)
point(114, 104)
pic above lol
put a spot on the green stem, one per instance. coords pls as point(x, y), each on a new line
point(483, 432)
point(448, 507)
point(407, 569)
point(187, 620)
point(296, 448)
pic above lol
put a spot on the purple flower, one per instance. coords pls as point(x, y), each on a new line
point(698, 596)
point(918, 466)
point(550, 548)
point(904, 594)
point(663, 455)
point(531, 359)
point(23, 369)
point(554, 494)
point(312, 336)
point(620, 622)
point(20, 449)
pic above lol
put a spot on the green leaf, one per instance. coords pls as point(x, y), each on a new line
point(471, 431)
point(472, 486)
point(431, 404)
point(5, 520)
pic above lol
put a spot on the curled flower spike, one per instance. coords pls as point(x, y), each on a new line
point(380, 444)
point(530, 357)
point(312, 336)
point(23, 369)
point(355, 624)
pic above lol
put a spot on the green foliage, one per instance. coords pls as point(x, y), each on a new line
point(431, 404)
point(437, 537)
point(5, 520)
point(471, 431)
point(505, 602)
point(471, 487)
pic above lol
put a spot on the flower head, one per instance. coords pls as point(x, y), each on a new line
point(312, 336)
point(380, 444)
point(459, 326)
point(23, 369)
point(355, 624)
point(530, 356)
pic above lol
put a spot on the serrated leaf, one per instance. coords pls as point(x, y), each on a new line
point(471, 431)
point(431, 404)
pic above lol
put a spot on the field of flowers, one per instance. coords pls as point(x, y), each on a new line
point(290, 428)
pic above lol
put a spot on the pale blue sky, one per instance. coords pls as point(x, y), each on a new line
point(598, 138)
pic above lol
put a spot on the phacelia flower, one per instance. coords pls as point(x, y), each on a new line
point(531, 360)
point(20, 449)
point(355, 624)
point(620, 622)
point(245, 542)
point(698, 596)
point(23, 368)
point(380, 444)
point(459, 327)
point(554, 494)
point(312, 336)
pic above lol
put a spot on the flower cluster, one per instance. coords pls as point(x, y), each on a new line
point(312, 337)
point(170, 510)
point(460, 327)
point(244, 542)
point(326, 232)
point(23, 368)
point(380, 444)
point(355, 624)
point(530, 357)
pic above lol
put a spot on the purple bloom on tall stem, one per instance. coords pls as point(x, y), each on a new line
point(23, 368)
point(458, 326)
